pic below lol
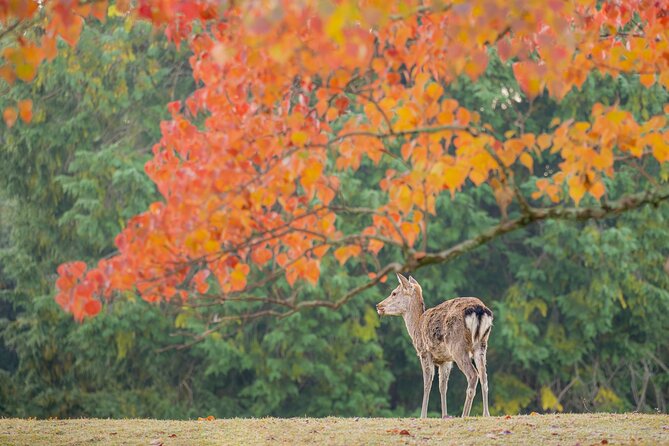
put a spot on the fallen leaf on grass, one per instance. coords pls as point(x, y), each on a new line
point(112, 433)
point(156, 442)
point(605, 441)
point(399, 432)
point(508, 417)
point(172, 435)
point(209, 418)
point(533, 413)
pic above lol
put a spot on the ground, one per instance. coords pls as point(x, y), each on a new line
point(563, 429)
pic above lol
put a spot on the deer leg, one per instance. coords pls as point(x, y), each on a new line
point(444, 372)
point(465, 364)
point(480, 360)
point(428, 375)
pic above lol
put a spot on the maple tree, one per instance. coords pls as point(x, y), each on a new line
point(295, 93)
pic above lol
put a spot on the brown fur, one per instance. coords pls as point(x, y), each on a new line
point(455, 331)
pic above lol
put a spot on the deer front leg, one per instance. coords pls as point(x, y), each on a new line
point(428, 375)
point(444, 373)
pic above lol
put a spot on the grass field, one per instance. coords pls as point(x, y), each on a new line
point(564, 429)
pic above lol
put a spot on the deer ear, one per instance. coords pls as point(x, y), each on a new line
point(403, 280)
point(413, 281)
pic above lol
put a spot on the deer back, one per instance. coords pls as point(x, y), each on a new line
point(454, 328)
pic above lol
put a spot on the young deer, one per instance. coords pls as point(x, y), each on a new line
point(456, 330)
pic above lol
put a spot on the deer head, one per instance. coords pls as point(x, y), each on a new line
point(402, 299)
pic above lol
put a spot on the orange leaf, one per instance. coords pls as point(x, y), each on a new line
point(238, 277)
point(26, 110)
point(544, 141)
point(528, 78)
point(261, 256)
point(597, 190)
point(647, 80)
point(10, 116)
point(345, 252)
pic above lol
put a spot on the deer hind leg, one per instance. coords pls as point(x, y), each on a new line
point(428, 376)
point(444, 373)
point(480, 360)
point(465, 364)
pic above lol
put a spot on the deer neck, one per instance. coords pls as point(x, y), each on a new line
point(412, 321)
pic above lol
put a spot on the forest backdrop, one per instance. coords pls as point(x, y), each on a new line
point(581, 305)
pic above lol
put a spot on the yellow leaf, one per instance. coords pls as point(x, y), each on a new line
point(211, 246)
point(112, 11)
point(616, 116)
point(299, 138)
point(404, 201)
point(408, 118)
point(343, 14)
point(527, 161)
point(454, 176)
point(311, 174)
point(576, 189)
point(660, 147)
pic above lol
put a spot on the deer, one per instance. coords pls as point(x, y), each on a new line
point(456, 330)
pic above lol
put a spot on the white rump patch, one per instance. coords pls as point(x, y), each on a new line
point(472, 323)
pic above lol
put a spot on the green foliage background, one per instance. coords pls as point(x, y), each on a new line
point(581, 309)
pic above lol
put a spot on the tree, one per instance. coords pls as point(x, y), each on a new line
point(249, 168)
point(250, 165)
point(68, 182)
point(579, 305)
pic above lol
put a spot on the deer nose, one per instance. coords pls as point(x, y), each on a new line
point(379, 309)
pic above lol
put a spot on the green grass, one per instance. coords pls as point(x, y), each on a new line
point(564, 429)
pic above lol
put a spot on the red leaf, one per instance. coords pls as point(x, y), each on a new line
point(92, 307)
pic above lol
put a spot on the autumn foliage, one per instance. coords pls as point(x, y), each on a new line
point(294, 93)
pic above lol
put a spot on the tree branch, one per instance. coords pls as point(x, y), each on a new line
point(654, 196)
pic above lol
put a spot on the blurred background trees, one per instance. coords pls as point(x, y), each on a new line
point(581, 309)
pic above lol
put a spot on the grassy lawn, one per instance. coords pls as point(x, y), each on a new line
point(565, 429)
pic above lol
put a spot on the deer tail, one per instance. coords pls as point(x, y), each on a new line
point(478, 320)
